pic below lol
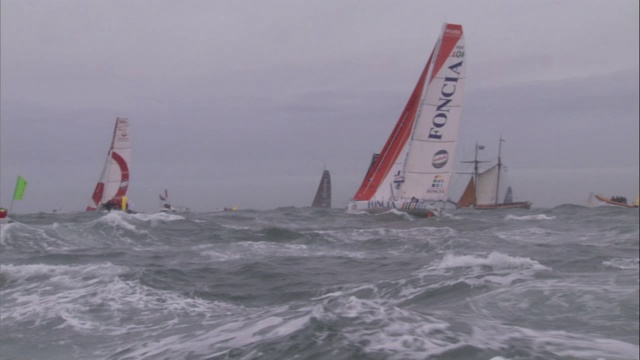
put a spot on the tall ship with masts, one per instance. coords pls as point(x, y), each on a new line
point(486, 188)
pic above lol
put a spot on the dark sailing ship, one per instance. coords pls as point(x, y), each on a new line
point(323, 195)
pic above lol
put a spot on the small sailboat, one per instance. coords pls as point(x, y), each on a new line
point(111, 191)
point(413, 171)
point(323, 195)
point(4, 219)
point(484, 188)
point(619, 201)
point(165, 205)
point(18, 194)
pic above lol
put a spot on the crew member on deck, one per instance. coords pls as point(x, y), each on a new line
point(3, 213)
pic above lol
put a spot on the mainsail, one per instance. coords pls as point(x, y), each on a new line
point(417, 159)
point(114, 179)
point(323, 195)
point(486, 190)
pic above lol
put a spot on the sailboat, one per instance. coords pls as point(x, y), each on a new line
point(323, 195)
point(111, 190)
point(413, 171)
point(18, 194)
point(484, 188)
point(165, 205)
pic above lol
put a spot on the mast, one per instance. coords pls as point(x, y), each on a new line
point(499, 168)
point(475, 173)
point(475, 177)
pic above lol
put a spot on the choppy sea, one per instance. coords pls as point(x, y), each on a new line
point(305, 283)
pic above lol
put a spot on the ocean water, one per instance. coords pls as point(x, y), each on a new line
point(305, 283)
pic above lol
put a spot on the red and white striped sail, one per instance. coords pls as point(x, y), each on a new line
point(114, 180)
point(417, 159)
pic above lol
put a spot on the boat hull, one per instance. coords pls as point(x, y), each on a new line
point(418, 209)
point(608, 201)
point(4, 222)
point(514, 205)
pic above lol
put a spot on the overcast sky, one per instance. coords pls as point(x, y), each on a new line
point(243, 103)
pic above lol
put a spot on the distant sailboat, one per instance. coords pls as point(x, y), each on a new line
point(18, 193)
point(483, 190)
point(413, 171)
point(165, 205)
point(323, 195)
point(111, 190)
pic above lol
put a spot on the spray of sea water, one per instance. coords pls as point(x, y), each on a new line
point(306, 283)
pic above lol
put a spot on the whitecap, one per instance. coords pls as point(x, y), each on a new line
point(530, 217)
point(494, 259)
point(621, 263)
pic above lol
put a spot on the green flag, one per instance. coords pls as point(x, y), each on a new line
point(20, 186)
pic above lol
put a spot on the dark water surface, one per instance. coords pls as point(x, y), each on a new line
point(306, 283)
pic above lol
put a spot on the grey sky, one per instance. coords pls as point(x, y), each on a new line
point(245, 102)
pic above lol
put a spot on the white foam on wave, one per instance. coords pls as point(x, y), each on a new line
point(24, 236)
point(621, 263)
point(237, 227)
point(220, 336)
point(92, 298)
point(474, 270)
point(265, 249)
point(494, 259)
point(541, 343)
point(530, 217)
point(531, 234)
point(424, 233)
point(382, 328)
point(159, 216)
point(399, 213)
point(117, 219)
point(452, 216)
point(50, 287)
point(357, 212)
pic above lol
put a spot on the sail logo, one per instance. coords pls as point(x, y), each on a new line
point(398, 179)
point(437, 185)
point(374, 204)
point(438, 181)
point(446, 96)
point(440, 159)
point(453, 31)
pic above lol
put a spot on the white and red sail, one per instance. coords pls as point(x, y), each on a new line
point(417, 159)
point(114, 179)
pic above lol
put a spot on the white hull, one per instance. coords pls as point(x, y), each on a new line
point(420, 209)
point(4, 222)
point(174, 210)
